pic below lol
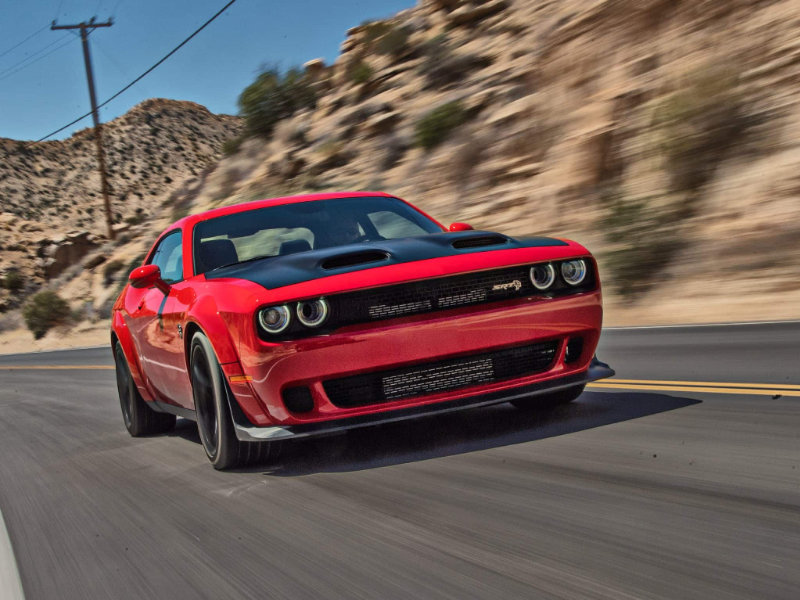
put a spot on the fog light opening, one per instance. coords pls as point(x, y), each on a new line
point(574, 350)
point(298, 399)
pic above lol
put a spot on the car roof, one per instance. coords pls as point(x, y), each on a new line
point(189, 221)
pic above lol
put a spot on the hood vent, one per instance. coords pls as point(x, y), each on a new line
point(491, 239)
point(354, 258)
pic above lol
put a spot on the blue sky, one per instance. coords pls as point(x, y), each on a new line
point(43, 81)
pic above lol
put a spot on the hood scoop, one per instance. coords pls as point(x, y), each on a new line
point(478, 241)
point(352, 259)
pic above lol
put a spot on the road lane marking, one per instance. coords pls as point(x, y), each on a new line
point(54, 367)
point(776, 386)
point(690, 388)
point(695, 325)
point(10, 583)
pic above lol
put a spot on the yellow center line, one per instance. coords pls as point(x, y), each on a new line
point(54, 367)
point(694, 388)
point(776, 386)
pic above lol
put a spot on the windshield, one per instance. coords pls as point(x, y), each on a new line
point(303, 226)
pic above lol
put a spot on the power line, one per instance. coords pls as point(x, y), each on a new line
point(32, 56)
point(143, 75)
point(23, 41)
point(3, 75)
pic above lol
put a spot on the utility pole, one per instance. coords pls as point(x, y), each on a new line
point(86, 29)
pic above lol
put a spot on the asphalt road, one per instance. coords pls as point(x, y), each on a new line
point(626, 493)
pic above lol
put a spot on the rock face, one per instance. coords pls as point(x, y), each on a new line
point(59, 254)
point(49, 190)
point(149, 151)
point(661, 133)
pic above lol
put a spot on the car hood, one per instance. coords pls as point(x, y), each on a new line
point(279, 271)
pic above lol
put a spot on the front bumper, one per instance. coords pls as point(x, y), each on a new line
point(247, 432)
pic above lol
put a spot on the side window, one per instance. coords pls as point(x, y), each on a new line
point(169, 258)
point(390, 225)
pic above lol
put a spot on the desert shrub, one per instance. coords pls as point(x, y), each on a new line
point(385, 38)
point(231, 146)
point(394, 149)
point(645, 233)
point(442, 67)
point(360, 72)
point(436, 125)
point(699, 124)
point(110, 270)
point(44, 311)
point(13, 281)
point(274, 96)
point(394, 42)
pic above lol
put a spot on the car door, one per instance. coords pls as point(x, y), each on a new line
point(156, 320)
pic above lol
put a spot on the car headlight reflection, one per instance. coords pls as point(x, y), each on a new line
point(274, 319)
point(542, 276)
point(312, 313)
point(573, 271)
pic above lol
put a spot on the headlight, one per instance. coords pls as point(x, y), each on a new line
point(573, 271)
point(542, 276)
point(274, 319)
point(312, 313)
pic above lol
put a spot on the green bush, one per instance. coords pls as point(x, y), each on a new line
point(385, 38)
point(442, 67)
point(699, 124)
point(111, 269)
point(435, 126)
point(361, 72)
point(231, 146)
point(645, 233)
point(13, 281)
point(394, 42)
point(274, 96)
point(44, 311)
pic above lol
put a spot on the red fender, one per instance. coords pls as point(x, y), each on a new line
point(120, 329)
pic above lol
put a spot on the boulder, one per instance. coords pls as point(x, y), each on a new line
point(472, 14)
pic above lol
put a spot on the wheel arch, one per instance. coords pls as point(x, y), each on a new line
point(205, 317)
point(120, 333)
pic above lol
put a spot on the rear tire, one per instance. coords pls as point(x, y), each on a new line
point(214, 422)
point(139, 418)
point(551, 400)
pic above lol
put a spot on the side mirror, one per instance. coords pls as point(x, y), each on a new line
point(461, 227)
point(148, 276)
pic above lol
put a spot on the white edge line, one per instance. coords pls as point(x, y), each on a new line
point(690, 325)
point(10, 583)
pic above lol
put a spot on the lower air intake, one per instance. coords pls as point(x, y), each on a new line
point(440, 376)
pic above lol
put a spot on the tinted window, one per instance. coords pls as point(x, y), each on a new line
point(303, 226)
point(169, 258)
point(391, 225)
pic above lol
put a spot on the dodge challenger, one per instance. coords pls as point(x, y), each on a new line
point(310, 315)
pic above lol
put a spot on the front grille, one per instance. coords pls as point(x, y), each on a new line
point(432, 294)
point(441, 376)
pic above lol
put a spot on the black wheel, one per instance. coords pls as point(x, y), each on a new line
point(546, 401)
point(214, 421)
point(139, 418)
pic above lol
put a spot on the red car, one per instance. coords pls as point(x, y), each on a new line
point(309, 315)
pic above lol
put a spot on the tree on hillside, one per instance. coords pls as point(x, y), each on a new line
point(274, 96)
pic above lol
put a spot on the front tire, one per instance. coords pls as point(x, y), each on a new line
point(214, 421)
point(139, 418)
point(551, 400)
